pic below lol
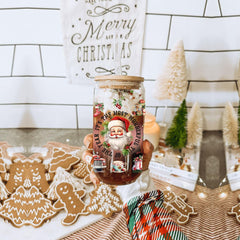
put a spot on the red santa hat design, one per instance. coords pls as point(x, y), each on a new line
point(119, 122)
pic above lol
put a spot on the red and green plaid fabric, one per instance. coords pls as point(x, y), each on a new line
point(147, 219)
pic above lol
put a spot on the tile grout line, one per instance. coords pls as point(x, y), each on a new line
point(29, 8)
point(191, 16)
point(77, 120)
point(220, 9)
point(48, 104)
point(205, 7)
point(41, 59)
point(203, 81)
point(84, 105)
point(13, 59)
point(156, 110)
point(188, 86)
point(145, 80)
point(192, 50)
point(31, 44)
point(212, 81)
point(144, 49)
point(169, 32)
point(236, 82)
point(32, 76)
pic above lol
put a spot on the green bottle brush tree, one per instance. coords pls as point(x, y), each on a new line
point(177, 133)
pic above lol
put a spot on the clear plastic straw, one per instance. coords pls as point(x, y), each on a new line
point(164, 113)
point(118, 64)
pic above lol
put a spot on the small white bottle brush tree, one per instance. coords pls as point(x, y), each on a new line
point(194, 126)
point(172, 82)
point(230, 126)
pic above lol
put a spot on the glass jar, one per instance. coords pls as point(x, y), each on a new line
point(151, 130)
point(118, 117)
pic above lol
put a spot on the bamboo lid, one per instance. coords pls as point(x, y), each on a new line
point(119, 81)
point(119, 78)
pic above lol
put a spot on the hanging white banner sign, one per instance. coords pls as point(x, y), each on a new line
point(102, 37)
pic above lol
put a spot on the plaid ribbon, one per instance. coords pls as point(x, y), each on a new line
point(147, 219)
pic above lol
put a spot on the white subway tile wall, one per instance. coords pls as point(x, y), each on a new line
point(178, 7)
point(156, 35)
point(230, 7)
point(38, 116)
point(165, 114)
point(85, 119)
point(29, 4)
point(212, 9)
point(53, 61)
point(34, 26)
point(58, 91)
point(6, 59)
point(196, 33)
point(212, 118)
point(27, 61)
point(34, 91)
point(213, 94)
point(222, 65)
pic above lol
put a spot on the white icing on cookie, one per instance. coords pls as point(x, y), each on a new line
point(63, 176)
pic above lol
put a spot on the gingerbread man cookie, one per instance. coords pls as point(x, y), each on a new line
point(63, 176)
point(235, 210)
point(177, 204)
point(70, 200)
point(83, 170)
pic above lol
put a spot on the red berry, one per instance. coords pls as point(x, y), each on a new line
point(118, 106)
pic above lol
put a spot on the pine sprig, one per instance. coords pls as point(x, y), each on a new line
point(131, 128)
point(105, 130)
point(177, 133)
point(125, 152)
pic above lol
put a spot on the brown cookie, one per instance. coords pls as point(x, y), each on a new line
point(177, 204)
point(63, 176)
point(235, 210)
point(104, 200)
point(30, 170)
point(66, 147)
point(3, 190)
point(62, 158)
point(70, 200)
point(27, 207)
point(3, 155)
point(83, 170)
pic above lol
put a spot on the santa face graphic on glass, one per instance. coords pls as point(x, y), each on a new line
point(118, 135)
